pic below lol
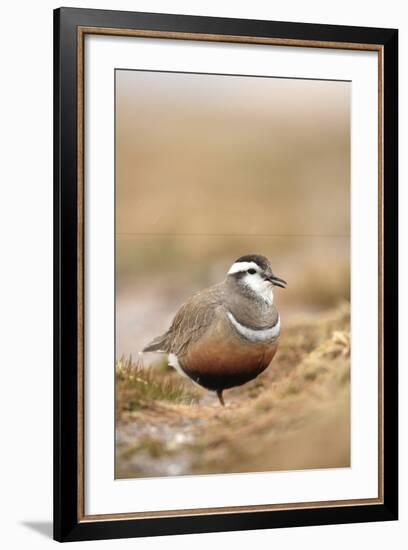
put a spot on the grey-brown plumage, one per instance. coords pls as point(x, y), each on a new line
point(190, 321)
point(227, 334)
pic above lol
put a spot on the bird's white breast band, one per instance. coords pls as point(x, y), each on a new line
point(254, 335)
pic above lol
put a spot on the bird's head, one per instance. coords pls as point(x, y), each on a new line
point(253, 275)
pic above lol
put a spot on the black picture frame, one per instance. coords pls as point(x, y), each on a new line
point(67, 523)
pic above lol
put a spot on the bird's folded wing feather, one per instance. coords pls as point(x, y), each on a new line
point(190, 323)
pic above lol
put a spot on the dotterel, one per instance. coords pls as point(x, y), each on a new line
point(227, 334)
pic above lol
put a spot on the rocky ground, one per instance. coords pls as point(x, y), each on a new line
point(295, 415)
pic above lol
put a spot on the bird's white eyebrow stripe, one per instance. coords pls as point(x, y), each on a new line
point(237, 267)
point(253, 335)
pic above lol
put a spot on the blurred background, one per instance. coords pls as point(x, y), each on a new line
point(211, 167)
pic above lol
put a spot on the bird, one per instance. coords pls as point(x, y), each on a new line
point(227, 334)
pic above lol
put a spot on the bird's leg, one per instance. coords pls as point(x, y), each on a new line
point(220, 397)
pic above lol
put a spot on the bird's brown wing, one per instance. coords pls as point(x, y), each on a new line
point(190, 322)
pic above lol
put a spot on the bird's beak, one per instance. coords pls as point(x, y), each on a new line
point(277, 281)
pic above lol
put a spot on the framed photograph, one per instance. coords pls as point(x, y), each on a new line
point(225, 274)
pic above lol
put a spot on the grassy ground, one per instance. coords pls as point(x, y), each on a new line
point(293, 416)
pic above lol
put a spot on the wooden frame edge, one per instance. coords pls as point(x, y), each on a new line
point(81, 32)
point(196, 36)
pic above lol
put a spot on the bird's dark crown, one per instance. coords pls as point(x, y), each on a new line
point(260, 260)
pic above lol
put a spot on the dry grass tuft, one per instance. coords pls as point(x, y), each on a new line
point(138, 387)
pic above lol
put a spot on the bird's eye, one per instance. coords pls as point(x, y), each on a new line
point(251, 271)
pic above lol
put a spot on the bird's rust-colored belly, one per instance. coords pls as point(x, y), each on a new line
point(221, 358)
